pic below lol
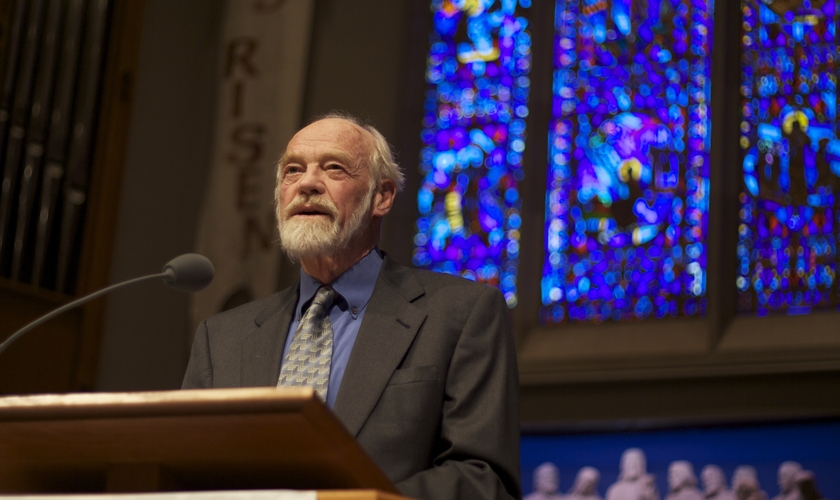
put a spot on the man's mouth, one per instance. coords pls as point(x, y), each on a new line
point(311, 212)
point(312, 208)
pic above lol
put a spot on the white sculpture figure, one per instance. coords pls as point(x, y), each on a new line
point(787, 481)
point(546, 483)
point(714, 484)
point(807, 484)
point(745, 484)
point(633, 481)
point(586, 485)
point(682, 482)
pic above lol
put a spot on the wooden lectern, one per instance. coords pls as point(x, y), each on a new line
point(223, 439)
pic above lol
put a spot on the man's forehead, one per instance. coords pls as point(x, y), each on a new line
point(299, 155)
point(333, 132)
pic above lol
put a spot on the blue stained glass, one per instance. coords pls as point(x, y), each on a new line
point(787, 247)
point(474, 137)
point(628, 179)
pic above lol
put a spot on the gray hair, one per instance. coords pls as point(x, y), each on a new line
point(382, 164)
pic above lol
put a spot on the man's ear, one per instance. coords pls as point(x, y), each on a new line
point(383, 200)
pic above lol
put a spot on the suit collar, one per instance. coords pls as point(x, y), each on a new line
point(277, 306)
point(263, 348)
point(388, 329)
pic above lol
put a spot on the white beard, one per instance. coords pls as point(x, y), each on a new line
point(323, 236)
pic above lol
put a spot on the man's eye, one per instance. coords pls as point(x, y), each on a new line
point(334, 166)
point(292, 169)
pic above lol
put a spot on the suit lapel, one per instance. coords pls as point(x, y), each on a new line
point(263, 348)
point(388, 329)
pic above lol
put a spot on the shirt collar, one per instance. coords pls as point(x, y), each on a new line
point(354, 286)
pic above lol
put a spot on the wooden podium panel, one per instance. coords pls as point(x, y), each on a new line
point(222, 439)
point(357, 495)
point(227, 495)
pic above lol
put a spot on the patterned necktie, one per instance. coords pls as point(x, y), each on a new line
point(308, 361)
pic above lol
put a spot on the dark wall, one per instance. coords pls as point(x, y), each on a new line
point(631, 403)
point(146, 334)
point(356, 58)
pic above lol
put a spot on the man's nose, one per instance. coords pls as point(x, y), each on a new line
point(312, 180)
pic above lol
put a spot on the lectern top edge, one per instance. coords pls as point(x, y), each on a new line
point(214, 439)
point(125, 404)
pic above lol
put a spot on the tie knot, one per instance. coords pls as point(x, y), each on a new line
point(324, 297)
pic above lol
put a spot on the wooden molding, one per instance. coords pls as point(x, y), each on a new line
point(63, 354)
point(679, 348)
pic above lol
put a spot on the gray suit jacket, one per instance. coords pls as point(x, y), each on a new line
point(430, 390)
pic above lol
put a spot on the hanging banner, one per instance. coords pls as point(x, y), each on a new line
point(265, 49)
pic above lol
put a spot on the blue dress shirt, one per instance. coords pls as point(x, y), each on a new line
point(354, 289)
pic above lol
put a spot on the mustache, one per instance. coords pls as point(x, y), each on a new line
point(316, 202)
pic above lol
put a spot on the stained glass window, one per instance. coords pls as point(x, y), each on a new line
point(473, 139)
point(628, 178)
point(791, 156)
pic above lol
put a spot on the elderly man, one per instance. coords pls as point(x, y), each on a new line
point(420, 367)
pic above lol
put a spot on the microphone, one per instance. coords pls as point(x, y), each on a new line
point(190, 272)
